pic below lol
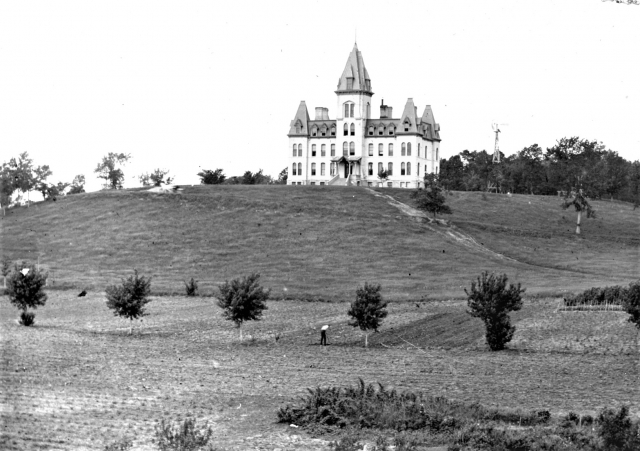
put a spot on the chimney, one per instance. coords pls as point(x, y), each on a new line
point(318, 113)
point(325, 114)
point(385, 111)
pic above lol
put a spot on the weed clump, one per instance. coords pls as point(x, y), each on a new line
point(184, 436)
point(191, 287)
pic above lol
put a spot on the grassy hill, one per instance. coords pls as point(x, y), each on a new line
point(319, 242)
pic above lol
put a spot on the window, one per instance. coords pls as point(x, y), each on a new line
point(333, 150)
point(371, 130)
point(436, 170)
point(313, 168)
point(295, 150)
point(389, 184)
point(332, 169)
point(351, 106)
point(314, 131)
point(353, 130)
point(294, 172)
point(346, 110)
point(299, 150)
point(402, 169)
point(368, 110)
point(403, 152)
point(408, 149)
point(345, 149)
point(322, 166)
point(380, 149)
point(418, 170)
point(322, 183)
point(299, 169)
point(349, 83)
point(352, 148)
point(370, 168)
point(312, 183)
point(323, 130)
point(370, 149)
point(408, 168)
point(333, 130)
point(380, 168)
point(313, 150)
point(391, 129)
point(407, 124)
point(346, 129)
point(437, 153)
point(381, 130)
point(390, 169)
point(323, 150)
point(418, 149)
point(299, 183)
point(390, 149)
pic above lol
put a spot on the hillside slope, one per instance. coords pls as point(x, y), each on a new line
point(313, 242)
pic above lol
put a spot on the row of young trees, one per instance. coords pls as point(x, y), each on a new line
point(571, 164)
point(217, 177)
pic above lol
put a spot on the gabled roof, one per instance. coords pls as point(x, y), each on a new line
point(408, 115)
point(355, 70)
point(302, 118)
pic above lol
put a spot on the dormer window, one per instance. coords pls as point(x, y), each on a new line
point(381, 130)
point(371, 130)
point(298, 127)
point(323, 130)
point(314, 131)
point(349, 83)
point(391, 129)
point(407, 124)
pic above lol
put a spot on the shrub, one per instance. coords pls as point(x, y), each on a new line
point(191, 287)
point(185, 436)
point(129, 299)
point(346, 443)
point(598, 296)
point(25, 288)
point(491, 301)
point(368, 310)
point(617, 431)
point(124, 444)
point(243, 300)
point(631, 303)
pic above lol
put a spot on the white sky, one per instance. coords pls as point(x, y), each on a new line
point(187, 85)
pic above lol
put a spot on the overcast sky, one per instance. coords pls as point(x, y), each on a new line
point(187, 85)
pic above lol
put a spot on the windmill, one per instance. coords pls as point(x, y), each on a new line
point(496, 149)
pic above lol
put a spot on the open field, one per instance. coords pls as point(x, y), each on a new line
point(321, 242)
point(77, 380)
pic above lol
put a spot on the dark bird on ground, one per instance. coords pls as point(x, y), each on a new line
point(82, 293)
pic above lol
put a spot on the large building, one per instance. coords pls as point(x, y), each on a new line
point(354, 148)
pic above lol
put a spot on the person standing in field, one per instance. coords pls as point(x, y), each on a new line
point(323, 335)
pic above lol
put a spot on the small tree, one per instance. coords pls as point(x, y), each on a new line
point(109, 171)
point(580, 203)
point(283, 176)
point(631, 303)
point(5, 269)
point(128, 300)
point(77, 186)
point(191, 287)
point(368, 310)
point(491, 301)
point(243, 300)
point(383, 175)
point(25, 288)
point(209, 177)
point(431, 199)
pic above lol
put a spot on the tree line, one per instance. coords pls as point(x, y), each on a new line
point(572, 164)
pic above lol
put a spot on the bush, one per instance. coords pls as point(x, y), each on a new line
point(185, 436)
point(346, 443)
point(243, 300)
point(25, 288)
point(631, 303)
point(598, 296)
point(191, 287)
point(124, 444)
point(27, 318)
point(128, 300)
point(491, 301)
point(368, 310)
point(617, 431)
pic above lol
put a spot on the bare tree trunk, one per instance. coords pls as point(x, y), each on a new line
point(366, 340)
point(578, 223)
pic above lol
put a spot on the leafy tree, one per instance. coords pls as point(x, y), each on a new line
point(452, 173)
point(77, 186)
point(580, 203)
point(129, 299)
point(612, 171)
point(617, 431)
point(283, 176)
point(209, 177)
point(25, 288)
point(159, 177)
point(491, 301)
point(368, 310)
point(5, 269)
point(243, 300)
point(109, 169)
point(383, 175)
point(6, 186)
point(634, 185)
point(51, 191)
point(631, 303)
point(431, 199)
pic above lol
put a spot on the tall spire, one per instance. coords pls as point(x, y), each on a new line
point(355, 76)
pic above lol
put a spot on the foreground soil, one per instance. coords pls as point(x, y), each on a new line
point(77, 380)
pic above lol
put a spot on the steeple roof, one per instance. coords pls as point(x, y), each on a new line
point(433, 129)
point(408, 120)
point(299, 124)
point(355, 76)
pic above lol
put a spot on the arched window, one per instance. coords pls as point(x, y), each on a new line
point(370, 168)
point(333, 150)
point(352, 148)
point(323, 130)
point(436, 170)
point(392, 129)
point(418, 170)
point(371, 130)
point(299, 168)
point(407, 124)
point(294, 172)
point(437, 152)
point(333, 130)
point(299, 150)
point(332, 169)
point(322, 166)
point(380, 168)
point(346, 129)
point(346, 110)
point(390, 169)
point(370, 149)
point(351, 108)
point(295, 150)
point(380, 149)
point(313, 169)
point(368, 110)
point(323, 150)
point(402, 169)
point(403, 152)
point(390, 149)
point(353, 130)
point(408, 149)
point(313, 150)
point(314, 131)
point(345, 149)
point(418, 149)
point(381, 129)
point(408, 168)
